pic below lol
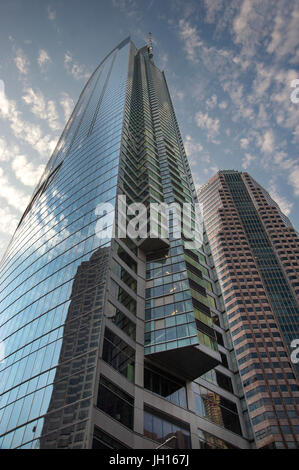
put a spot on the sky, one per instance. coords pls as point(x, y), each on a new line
point(231, 68)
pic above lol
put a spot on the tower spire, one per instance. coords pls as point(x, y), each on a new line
point(150, 46)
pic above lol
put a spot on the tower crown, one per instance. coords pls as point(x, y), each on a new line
point(150, 46)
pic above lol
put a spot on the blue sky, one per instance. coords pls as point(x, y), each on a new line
point(229, 67)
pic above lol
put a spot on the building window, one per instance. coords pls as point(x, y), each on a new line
point(124, 275)
point(123, 297)
point(165, 386)
point(101, 440)
point(119, 355)
point(159, 427)
point(121, 321)
point(208, 441)
point(124, 256)
point(116, 403)
point(217, 409)
point(224, 381)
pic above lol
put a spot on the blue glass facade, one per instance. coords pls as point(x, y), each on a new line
point(54, 240)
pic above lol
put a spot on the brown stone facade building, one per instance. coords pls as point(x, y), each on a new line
point(255, 251)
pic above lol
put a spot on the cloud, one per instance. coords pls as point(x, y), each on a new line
point(8, 223)
point(212, 9)
point(284, 205)
point(24, 130)
point(13, 196)
point(293, 179)
point(259, 26)
point(22, 62)
point(246, 161)
point(284, 36)
point(211, 102)
point(177, 94)
point(244, 142)
point(267, 142)
point(77, 71)
point(43, 58)
point(129, 8)
point(67, 104)
point(251, 25)
point(204, 121)
point(265, 76)
point(284, 163)
point(191, 39)
point(41, 108)
point(222, 64)
point(25, 171)
point(194, 151)
point(6, 151)
point(162, 60)
point(223, 105)
point(251, 79)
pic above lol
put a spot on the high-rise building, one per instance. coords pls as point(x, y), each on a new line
point(114, 342)
point(255, 250)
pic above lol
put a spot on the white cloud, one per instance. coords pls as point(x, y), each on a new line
point(22, 62)
point(25, 171)
point(246, 161)
point(191, 39)
point(284, 163)
point(251, 25)
point(284, 36)
point(8, 221)
point(284, 205)
point(223, 105)
point(67, 58)
point(244, 142)
point(194, 151)
point(77, 71)
point(263, 79)
point(212, 8)
point(267, 142)
point(7, 151)
point(204, 121)
point(12, 195)
point(129, 8)
point(43, 57)
point(211, 102)
point(162, 60)
point(294, 179)
point(41, 108)
point(67, 104)
point(26, 131)
point(177, 94)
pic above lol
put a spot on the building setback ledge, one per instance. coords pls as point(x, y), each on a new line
point(189, 362)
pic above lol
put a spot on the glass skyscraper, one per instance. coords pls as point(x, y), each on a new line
point(114, 342)
point(256, 254)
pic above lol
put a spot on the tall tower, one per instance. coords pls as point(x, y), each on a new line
point(112, 341)
point(256, 253)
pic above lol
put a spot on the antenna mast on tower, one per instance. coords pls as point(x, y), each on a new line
point(150, 46)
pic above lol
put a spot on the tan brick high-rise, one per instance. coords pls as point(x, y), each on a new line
point(255, 250)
